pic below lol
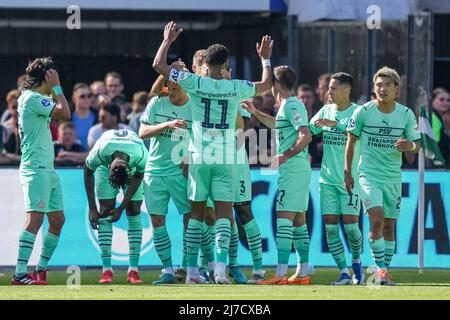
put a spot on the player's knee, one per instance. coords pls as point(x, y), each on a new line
point(244, 213)
point(57, 223)
point(158, 221)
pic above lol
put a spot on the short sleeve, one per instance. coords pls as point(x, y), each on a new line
point(247, 89)
point(42, 105)
point(187, 80)
point(411, 130)
point(149, 117)
point(296, 114)
point(94, 160)
point(356, 122)
point(141, 164)
point(316, 130)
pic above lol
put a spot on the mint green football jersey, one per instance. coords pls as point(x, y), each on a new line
point(168, 149)
point(34, 111)
point(114, 140)
point(290, 118)
point(334, 141)
point(215, 105)
point(380, 160)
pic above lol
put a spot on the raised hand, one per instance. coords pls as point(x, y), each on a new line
point(171, 31)
point(248, 105)
point(52, 78)
point(264, 49)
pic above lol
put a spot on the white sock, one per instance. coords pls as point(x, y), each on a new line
point(168, 270)
point(220, 268)
point(110, 269)
point(304, 269)
point(356, 260)
point(192, 271)
point(281, 270)
point(259, 272)
point(132, 269)
point(345, 270)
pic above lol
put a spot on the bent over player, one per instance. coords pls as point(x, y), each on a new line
point(118, 159)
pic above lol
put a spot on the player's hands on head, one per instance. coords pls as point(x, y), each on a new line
point(177, 123)
point(403, 145)
point(264, 49)
point(319, 123)
point(93, 218)
point(248, 105)
point(171, 31)
point(52, 78)
point(349, 182)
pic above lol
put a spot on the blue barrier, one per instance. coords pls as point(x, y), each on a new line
point(78, 243)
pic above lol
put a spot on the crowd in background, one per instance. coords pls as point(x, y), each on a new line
point(102, 105)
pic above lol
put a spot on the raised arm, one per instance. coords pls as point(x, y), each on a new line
point(171, 33)
point(264, 51)
point(61, 110)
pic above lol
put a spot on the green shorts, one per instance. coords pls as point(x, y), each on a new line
point(215, 180)
point(159, 189)
point(334, 199)
point(105, 190)
point(243, 184)
point(385, 195)
point(293, 190)
point(42, 191)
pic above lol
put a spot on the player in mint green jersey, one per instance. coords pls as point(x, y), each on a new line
point(167, 121)
point(213, 145)
point(385, 129)
point(118, 160)
point(41, 100)
point(332, 121)
point(293, 137)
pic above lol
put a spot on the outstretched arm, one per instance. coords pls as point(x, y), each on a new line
point(171, 33)
point(266, 119)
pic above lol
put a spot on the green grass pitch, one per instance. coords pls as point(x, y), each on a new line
point(431, 284)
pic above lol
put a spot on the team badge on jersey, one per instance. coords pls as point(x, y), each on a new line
point(297, 117)
point(249, 83)
point(176, 75)
point(41, 204)
point(351, 123)
point(45, 102)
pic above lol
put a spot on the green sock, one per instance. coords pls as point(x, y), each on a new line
point(354, 239)
point(26, 244)
point(335, 245)
point(184, 260)
point(50, 243)
point(378, 251)
point(284, 240)
point(134, 239)
point(301, 243)
point(206, 248)
point(234, 242)
point(389, 252)
point(254, 243)
point(193, 242)
point(223, 237)
point(105, 235)
point(163, 246)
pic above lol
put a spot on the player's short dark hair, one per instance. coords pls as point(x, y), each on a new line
point(216, 54)
point(119, 174)
point(113, 109)
point(36, 70)
point(285, 75)
point(343, 78)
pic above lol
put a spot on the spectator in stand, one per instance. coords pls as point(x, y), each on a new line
point(67, 150)
point(11, 106)
point(306, 95)
point(99, 95)
point(439, 119)
point(138, 105)
point(322, 88)
point(108, 117)
point(83, 118)
point(114, 87)
point(10, 132)
point(20, 81)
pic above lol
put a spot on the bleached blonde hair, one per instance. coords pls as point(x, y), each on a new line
point(388, 73)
